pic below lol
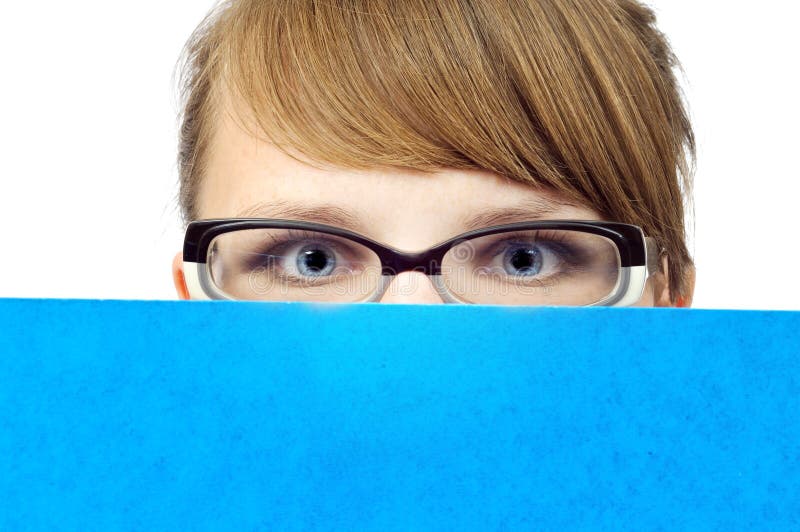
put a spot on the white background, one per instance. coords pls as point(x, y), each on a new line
point(88, 137)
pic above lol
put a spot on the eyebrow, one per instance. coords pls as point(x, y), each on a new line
point(532, 209)
point(320, 213)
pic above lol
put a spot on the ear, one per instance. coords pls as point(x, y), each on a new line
point(178, 278)
point(662, 297)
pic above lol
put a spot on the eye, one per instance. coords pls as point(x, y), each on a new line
point(307, 256)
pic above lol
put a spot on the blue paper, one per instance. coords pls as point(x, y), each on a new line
point(287, 416)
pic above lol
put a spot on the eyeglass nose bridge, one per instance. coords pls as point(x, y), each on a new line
point(396, 262)
point(427, 262)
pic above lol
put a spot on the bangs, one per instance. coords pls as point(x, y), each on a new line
point(549, 96)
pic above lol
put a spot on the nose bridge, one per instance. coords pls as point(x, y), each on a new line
point(411, 287)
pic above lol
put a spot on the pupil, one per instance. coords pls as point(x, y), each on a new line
point(315, 261)
point(526, 261)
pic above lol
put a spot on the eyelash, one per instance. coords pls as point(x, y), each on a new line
point(292, 236)
point(559, 240)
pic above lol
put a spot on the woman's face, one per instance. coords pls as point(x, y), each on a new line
point(408, 210)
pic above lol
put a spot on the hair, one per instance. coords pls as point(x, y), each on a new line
point(579, 96)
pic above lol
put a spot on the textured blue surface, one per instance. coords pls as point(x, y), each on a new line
point(168, 415)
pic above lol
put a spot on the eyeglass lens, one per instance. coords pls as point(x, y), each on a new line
point(535, 267)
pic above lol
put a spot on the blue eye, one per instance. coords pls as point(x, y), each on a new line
point(315, 261)
point(523, 261)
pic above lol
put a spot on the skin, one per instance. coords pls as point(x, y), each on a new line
point(405, 209)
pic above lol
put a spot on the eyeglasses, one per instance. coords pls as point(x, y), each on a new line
point(571, 263)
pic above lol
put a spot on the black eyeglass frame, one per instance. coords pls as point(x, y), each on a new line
point(636, 252)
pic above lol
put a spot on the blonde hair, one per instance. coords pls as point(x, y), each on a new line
point(576, 95)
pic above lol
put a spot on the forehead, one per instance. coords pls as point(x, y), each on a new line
point(250, 177)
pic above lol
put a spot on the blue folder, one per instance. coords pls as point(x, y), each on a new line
point(288, 416)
